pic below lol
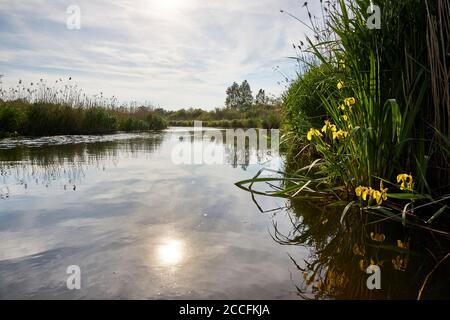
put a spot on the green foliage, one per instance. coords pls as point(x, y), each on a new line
point(302, 101)
point(261, 99)
point(258, 116)
point(52, 119)
point(232, 100)
point(98, 120)
point(132, 124)
point(245, 97)
point(383, 144)
point(44, 118)
point(240, 97)
point(42, 109)
point(12, 120)
point(386, 73)
point(156, 122)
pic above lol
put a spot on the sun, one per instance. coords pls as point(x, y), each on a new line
point(172, 5)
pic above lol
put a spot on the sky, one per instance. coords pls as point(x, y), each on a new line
point(170, 53)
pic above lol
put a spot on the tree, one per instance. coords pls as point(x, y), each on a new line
point(232, 96)
point(239, 97)
point(261, 98)
point(245, 97)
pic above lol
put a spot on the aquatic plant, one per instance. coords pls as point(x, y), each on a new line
point(381, 125)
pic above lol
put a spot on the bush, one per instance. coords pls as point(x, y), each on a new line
point(132, 124)
point(156, 122)
point(302, 103)
point(252, 123)
point(235, 123)
point(12, 120)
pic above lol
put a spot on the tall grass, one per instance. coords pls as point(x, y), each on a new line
point(383, 146)
point(40, 109)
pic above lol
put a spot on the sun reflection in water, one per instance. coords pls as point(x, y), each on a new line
point(170, 252)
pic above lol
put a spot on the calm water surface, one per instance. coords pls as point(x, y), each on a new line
point(138, 225)
point(142, 227)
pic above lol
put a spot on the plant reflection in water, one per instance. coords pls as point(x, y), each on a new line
point(342, 251)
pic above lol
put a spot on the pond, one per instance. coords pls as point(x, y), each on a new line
point(141, 226)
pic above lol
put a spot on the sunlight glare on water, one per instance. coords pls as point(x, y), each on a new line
point(171, 252)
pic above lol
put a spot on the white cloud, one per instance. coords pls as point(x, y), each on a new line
point(176, 53)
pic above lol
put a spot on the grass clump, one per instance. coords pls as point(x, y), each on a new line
point(62, 110)
point(383, 141)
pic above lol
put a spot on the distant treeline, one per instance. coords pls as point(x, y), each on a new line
point(241, 111)
point(257, 117)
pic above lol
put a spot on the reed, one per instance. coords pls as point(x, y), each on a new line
point(62, 109)
point(384, 143)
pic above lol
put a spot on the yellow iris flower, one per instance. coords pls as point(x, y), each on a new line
point(340, 134)
point(383, 191)
point(379, 237)
point(363, 192)
point(401, 244)
point(368, 193)
point(329, 126)
point(377, 196)
point(406, 180)
point(313, 133)
point(358, 191)
point(399, 263)
point(340, 85)
point(350, 101)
